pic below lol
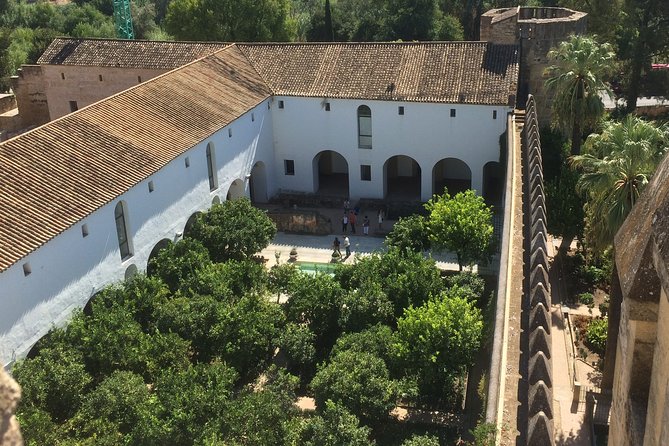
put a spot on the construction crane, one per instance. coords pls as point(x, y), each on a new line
point(123, 20)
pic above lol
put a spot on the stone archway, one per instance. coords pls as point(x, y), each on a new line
point(493, 183)
point(189, 223)
point(130, 272)
point(164, 243)
point(258, 183)
point(236, 190)
point(401, 179)
point(216, 200)
point(453, 174)
point(331, 174)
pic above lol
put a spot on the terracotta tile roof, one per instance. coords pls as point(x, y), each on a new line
point(125, 53)
point(56, 175)
point(451, 72)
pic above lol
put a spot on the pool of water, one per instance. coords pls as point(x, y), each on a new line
point(314, 267)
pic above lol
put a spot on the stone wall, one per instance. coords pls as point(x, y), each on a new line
point(30, 90)
point(537, 299)
point(301, 222)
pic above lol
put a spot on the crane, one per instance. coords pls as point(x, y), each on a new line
point(123, 20)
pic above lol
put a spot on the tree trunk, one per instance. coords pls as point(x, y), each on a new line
point(615, 303)
point(576, 135)
point(638, 58)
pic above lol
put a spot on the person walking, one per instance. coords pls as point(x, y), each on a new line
point(335, 246)
point(351, 220)
point(365, 226)
point(347, 246)
point(380, 219)
point(344, 222)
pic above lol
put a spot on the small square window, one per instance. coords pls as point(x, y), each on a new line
point(253, 117)
point(400, 110)
point(327, 106)
point(151, 187)
point(365, 172)
point(74, 106)
point(100, 77)
point(268, 105)
point(139, 79)
point(494, 114)
point(26, 269)
point(229, 133)
point(452, 113)
point(84, 230)
point(280, 104)
point(62, 76)
point(187, 162)
point(289, 167)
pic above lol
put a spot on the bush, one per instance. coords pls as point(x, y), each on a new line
point(604, 307)
point(595, 335)
point(586, 298)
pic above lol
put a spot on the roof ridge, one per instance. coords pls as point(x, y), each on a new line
point(246, 56)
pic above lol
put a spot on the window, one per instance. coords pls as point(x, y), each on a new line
point(289, 167)
point(73, 106)
point(364, 127)
point(151, 188)
point(400, 110)
point(187, 162)
point(211, 169)
point(84, 230)
point(62, 76)
point(229, 133)
point(494, 114)
point(268, 105)
point(100, 77)
point(122, 230)
point(139, 79)
point(327, 106)
point(365, 172)
point(280, 104)
point(26, 269)
point(253, 117)
point(452, 113)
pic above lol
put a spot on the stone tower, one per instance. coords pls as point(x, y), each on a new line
point(536, 30)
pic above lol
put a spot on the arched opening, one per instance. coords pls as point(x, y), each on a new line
point(364, 127)
point(236, 190)
point(164, 243)
point(330, 174)
point(88, 308)
point(401, 179)
point(453, 174)
point(493, 183)
point(216, 200)
point(130, 272)
point(258, 183)
point(189, 223)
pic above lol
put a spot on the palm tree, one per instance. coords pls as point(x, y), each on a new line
point(616, 167)
point(576, 82)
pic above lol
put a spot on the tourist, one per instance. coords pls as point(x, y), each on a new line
point(347, 205)
point(380, 219)
point(336, 246)
point(344, 222)
point(351, 220)
point(347, 246)
point(365, 226)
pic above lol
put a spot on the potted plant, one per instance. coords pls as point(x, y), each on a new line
point(336, 257)
point(293, 254)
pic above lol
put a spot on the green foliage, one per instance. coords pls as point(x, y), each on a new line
point(297, 343)
point(359, 381)
point(604, 307)
point(586, 298)
point(439, 340)
point(469, 284)
point(409, 234)
point(229, 280)
point(576, 81)
point(616, 166)
point(177, 262)
point(485, 434)
point(234, 229)
point(365, 307)
point(229, 21)
point(461, 224)
point(595, 334)
point(281, 275)
point(421, 440)
point(334, 426)
point(407, 278)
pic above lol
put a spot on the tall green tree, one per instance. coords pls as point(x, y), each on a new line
point(461, 224)
point(333, 426)
point(616, 166)
point(576, 82)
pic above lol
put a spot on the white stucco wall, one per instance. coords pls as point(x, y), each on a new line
point(426, 132)
point(70, 269)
